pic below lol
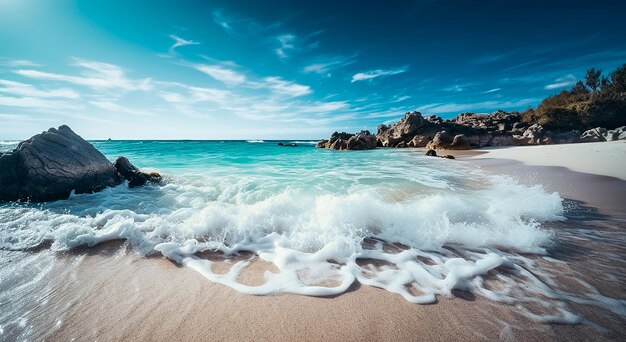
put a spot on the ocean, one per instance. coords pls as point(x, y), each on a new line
point(418, 226)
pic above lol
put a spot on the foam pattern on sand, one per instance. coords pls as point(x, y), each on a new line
point(426, 233)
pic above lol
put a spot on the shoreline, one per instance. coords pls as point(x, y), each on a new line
point(599, 182)
point(152, 298)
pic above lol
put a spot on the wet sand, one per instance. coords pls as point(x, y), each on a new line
point(108, 293)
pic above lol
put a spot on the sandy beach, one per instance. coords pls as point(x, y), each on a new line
point(109, 293)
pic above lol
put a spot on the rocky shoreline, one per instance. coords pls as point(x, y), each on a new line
point(464, 132)
point(54, 164)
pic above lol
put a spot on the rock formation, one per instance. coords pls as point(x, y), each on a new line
point(133, 175)
point(405, 130)
point(50, 165)
point(363, 140)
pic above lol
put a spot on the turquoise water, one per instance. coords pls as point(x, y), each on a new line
point(313, 213)
point(418, 226)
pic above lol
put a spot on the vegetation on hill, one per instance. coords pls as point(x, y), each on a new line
point(599, 101)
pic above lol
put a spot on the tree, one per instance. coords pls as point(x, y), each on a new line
point(592, 79)
point(618, 79)
point(579, 88)
point(604, 83)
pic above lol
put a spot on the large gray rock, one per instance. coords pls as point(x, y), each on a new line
point(50, 165)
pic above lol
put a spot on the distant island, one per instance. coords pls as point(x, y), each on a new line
point(591, 111)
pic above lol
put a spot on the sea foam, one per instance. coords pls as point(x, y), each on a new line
point(417, 228)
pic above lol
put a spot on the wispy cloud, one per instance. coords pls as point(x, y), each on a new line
point(17, 63)
point(324, 65)
point(491, 90)
point(96, 75)
point(372, 74)
point(116, 108)
point(286, 45)
point(178, 42)
point(22, 117)
point(401, 98)
point(28, 90)
point(461, 87)
point(492, 58)
point(220, 19)
point(562, 82)
point(34, 103)
point(221, 73)
point(282, 87)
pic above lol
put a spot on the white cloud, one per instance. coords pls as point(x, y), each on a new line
point(491, 90)
point(23, 89)
point(220, 73)
point(17, 63)
point(461, 87)
point(96, 75)
point(197, 94)
point(181, 42)
point(21, 117)
point(113, 107)
point(33, 103)
point(224, 23)
point(401, 98)
point(287, 43)
point(282, 87)
point(323, 65)
point(369, 75)
point(562, 82)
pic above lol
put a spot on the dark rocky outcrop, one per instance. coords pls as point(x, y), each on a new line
point(433, 153)
point(363, 140)
point(50, 165)
point(468, 130)
point(402, 132)
point(133, 175)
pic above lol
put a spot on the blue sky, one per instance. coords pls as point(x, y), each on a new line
point(286, 69)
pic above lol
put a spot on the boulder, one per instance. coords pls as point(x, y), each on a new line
point(401, 131)
point(460, 142)
point(616, 134)
point(50, 165)
point(534, 134)
point(363, 140)
point(594, 135)
point(441, 141)
point(418, 141)
point(133, 175)
point(433, 153)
